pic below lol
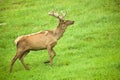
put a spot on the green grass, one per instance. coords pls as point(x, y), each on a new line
point(89, 49)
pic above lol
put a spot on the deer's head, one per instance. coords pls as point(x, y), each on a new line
point(62, 23)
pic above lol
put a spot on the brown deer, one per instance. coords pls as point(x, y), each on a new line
point(41, 40)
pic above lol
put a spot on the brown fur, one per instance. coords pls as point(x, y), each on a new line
point(39, 41)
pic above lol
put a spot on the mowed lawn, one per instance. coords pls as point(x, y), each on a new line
point(89, 49)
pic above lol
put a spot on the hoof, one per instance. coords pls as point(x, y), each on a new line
point(47, 62)
point(27, 68)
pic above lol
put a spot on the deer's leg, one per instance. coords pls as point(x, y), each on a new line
point(50, 50)
point(49, 53)
point(19, 52)
point(48, 61)
point(54, 53)
point(21, 58)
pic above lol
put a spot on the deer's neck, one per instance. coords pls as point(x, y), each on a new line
point(59, 31)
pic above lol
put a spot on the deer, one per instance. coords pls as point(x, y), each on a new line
point(41, 40)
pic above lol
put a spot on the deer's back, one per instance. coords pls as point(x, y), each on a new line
point(39, 41)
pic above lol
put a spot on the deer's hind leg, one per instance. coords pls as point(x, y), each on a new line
point(21, 58)
point(18, 54)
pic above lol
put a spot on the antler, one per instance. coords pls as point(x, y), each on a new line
point(63, 14)
point(55, 14)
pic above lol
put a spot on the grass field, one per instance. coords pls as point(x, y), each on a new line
point(89, 49)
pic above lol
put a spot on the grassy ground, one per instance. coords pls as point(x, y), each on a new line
point(89, 50)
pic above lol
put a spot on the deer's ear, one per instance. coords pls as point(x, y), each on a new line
point(61, 20)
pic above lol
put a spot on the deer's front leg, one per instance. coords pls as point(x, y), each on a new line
point(54, 53)
point(50, 51)
point(50, 55)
